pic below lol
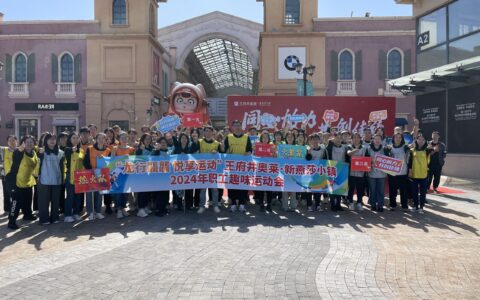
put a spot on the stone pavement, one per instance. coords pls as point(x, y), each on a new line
point(348, 255)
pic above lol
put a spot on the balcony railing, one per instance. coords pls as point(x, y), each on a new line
point(346, 88)
point(65, 90)
point(18, 90)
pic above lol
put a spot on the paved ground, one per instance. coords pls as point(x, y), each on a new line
point(307, 255)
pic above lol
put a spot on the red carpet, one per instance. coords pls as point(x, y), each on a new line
point(445, 190)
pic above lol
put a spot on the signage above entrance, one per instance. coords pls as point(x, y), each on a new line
point(46, 106)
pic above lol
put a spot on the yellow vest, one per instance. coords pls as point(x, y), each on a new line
point(7, 160)
point(76, 163)
point(27, 167)
point(237, 145)
point(206, 147)
point(420, 161)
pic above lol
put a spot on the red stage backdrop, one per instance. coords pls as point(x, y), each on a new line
point(351, 113)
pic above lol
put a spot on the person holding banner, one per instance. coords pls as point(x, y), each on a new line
point(399, 150)
point(209, 145)
point(145, 148)
point(418, 172)
point(161, 197)
point(237, 143)
point(183, 146)
point(289, 206)
point(21, 179)
point(74, 156)
point(316, 152)
point(356, 179)
point(123, 149)
point(376, 179)
point(259, 196)
point(99, 149)
point(338, 152)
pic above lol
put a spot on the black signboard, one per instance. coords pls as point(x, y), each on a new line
point(423, 39)
point(431, 113)
point(46, 106)
point(464, 120)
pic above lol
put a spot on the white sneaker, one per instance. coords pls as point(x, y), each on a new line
point(351, 206)
point(201, 210)
point(216, 209)
point(69, 220)
point(242, 208)
point(124, 212)
point(420, 211)
point(359, 206)
point(319, 208)
point(119, 214)
point(91, 217)
point(233, 207)
point(147, 210)
point(77, 218)
point(142, 213)
point(310, 208)
point(99, 216)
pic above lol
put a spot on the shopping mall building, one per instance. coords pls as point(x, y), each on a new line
point(117, 68)
point(446, 81)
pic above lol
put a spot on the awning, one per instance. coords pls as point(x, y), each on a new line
point(454, 75)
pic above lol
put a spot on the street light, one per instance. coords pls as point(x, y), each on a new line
point(310, 70)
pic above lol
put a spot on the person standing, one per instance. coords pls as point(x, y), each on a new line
point(237, 143)
point(74, 156)
point(399, 150)
point(376, 179)
point(418, 172)
point(356, 179)
point(6, 155)
point(437, 160)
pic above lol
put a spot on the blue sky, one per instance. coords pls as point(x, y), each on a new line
point(178, 10)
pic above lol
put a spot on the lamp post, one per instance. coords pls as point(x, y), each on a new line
point(310, 70)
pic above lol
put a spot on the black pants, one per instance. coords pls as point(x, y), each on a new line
point(62, 198)
point(196, 197)
point(260, 197)
point(335, 201)
point(107, 200)
point(35, 197)
point(161, 201)
point(220, 196)
point(144, 199)
point(396, 183)
point(48, 203)
point(240, 195)
point(356, 184)
point(316, 196)
point(7, 191)
point(434, 174)
point(21, 199)
point(189, 199)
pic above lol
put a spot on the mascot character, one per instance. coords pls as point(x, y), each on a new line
point(187, 98)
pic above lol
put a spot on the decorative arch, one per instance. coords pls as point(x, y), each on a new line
point(66, 68)
point(20, 60)
point(400, 64)
point(346, 64)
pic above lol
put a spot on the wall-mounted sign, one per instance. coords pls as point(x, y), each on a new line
point(46, 106)
point(423, 39)
point(288, 58)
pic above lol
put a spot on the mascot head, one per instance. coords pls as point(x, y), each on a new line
point(187, 98)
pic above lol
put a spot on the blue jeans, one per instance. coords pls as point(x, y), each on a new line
point(120, 200)
point(419, 186)
point(73, 201)
point(203, 197)
point(97, 202)
point(377, 192)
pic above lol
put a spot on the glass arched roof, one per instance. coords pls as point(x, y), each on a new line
point(225, 63)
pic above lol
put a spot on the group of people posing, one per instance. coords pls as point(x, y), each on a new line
point(39, 176)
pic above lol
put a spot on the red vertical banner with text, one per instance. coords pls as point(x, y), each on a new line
point(92, 180)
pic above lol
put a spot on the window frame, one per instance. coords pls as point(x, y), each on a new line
point(60, 67)
point(113, 24)
point(339, 64)
point(285, 14)
point(14, 69)
point(402, 62)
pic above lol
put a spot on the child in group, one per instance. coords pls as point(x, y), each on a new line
point(418, 172)
point(51, 177)
point(20, 178)
point(6, 155)
point(161, 197)
point(260, 195)
point(209, 145)
point(376, 177)
point(99, 149)
point(338, 152)
point(317, 152)
point(356, 180)
point(123, 149)
point(401, 151)
point(74, 156)
point(145, 148)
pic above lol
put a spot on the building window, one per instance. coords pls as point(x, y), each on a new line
point(346, 65)
point(119, 12)
point(20, 68)
point(292, 12)
point(435, 24)
point(394, 61)
point(66, 68)
point(28, 127)
point(463, 18)
point(124, 125)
